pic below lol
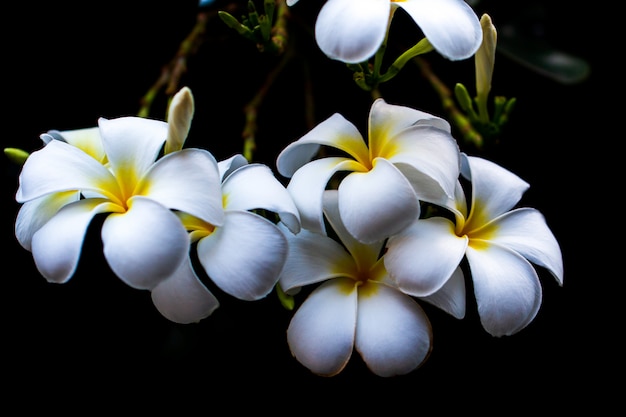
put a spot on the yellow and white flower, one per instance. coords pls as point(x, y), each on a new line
point(500, 243)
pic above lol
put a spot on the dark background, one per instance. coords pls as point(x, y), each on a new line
point(65, 65)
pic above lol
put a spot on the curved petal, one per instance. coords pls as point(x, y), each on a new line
point(87, 140)
point(429, 150)
point(451, 298)
point(525, 231)
point(183, 298)
point(144, 245)
point(227, 166)
point(451, 26)
point(335, 131)
point(393, 334)
point(507, 289)
point(59, 166)
point(314, 257)
point(365, 255)
point(132, 142)
point(187, 180)
point(495, 190)
point(351, 31)
point(56, 246)
point(307, 188)
point(35, 213)
point(321, 331)
point(254, 186)
point(378, 203)
point(423, 257)
point(387, 120)
point(244, 257)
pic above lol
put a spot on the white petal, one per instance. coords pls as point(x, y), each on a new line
point(187, 180)
point(432, 152)
point(351, 31)
point(227, 166)
point(183, 298)
point(314, 257)
point(307, 188)
point(377, 204)
point(179, 116)
point(35, 213)
point(132, 142)
point(87, 140)
point(525, 231)
point(146, 244)
point(495, 190)
point(321, 332)
point(451, 298)
point(61, 167)
point(244, 256)
point(423, 257)
point(451, 26)
point(507, 289)
point(387, 120)
point(254, 186)
point(335, 131)
point(56, 246)
point(367, 254)
point(393, 333)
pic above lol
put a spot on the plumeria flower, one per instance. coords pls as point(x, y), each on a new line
point(144, 242)
point(356, 304)
point(501, 244)
point(243, 255)
point(411, 157)
point(353, 30)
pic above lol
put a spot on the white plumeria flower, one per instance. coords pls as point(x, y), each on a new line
point(353, 30)
point(89, 141)
point(244, 255)
point(500, 242)
point(411, 157)
point(356, 306)
point(143, 240)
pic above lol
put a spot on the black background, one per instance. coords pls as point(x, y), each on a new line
point(67, 64)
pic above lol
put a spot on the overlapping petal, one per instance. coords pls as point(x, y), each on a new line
point(321, 333)
point(352, 31)
point(144, 245)
point(507, 288)
point(336, 132)
point(132, 144)
point(244, 257)
point(187, 180)
point(451, 298)
point(495, 190)
point(387, 120)
point(183, 298)
point(313, 257)
point(56, 246)
point(254, 186)
point(451, 26)
point(59, 166)
point(35, 213)
point(378, 203)
point(307, 188)
point(525, 231)
point(88, 140)
point(423, 257)
point(430, 150)
point(393, 333)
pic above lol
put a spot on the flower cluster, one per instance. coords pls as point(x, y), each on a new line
point(360, 230)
